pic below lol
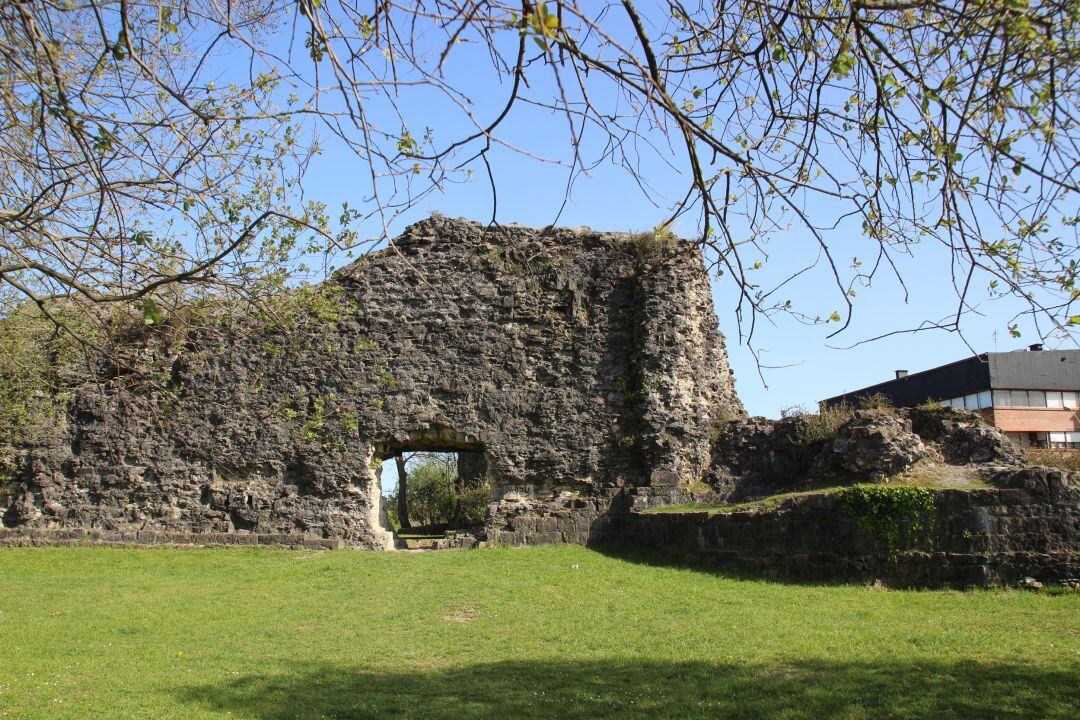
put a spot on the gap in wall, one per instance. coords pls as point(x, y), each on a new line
point(447, 489)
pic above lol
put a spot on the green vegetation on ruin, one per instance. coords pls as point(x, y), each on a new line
point(655, 243)
point(758, 505)
point(46, 354)
point(263, 634)
point(892, 516)
point(925, 474)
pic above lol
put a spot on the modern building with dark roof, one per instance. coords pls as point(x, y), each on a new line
point(1033, 395)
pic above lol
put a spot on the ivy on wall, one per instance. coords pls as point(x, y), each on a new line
point(892, 516)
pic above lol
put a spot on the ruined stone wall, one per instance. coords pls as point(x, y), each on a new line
point(574, 360)
point(1027, 526)
point(757, 457)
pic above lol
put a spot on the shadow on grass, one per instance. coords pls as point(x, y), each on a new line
point(688, 561)
point(638, 689)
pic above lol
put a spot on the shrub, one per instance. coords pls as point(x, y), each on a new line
point(654, 243)
point(877, 401)
point(823, 426)
point(794, 411)
point(472, 505)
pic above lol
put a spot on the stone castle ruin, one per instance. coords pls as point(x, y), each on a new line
point(565, 361)
point(581, 373)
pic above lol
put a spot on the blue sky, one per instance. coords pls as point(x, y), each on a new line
point(804, 365)
point(800, 364)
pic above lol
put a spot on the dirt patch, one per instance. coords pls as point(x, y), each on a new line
point(946, 477)
point(461, 615)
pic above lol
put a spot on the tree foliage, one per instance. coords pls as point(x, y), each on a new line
point(131, 170)
point(437, 496)
point(158, 142)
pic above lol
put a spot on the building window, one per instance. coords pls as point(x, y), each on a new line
point(1064, 440)
point(1036, 398)
point(975, 401)
point(1019, 439)
point(1056, 399)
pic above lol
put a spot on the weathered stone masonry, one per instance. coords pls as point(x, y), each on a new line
point(582, 371)
point(1026, 526)
point(578, 362)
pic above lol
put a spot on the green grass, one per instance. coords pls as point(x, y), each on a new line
point(545, 632)
point(760, 505)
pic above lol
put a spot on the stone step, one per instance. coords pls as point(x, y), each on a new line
point(421, 543)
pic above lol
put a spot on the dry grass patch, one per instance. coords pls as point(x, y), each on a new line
point(1060, 459)
point(942, 477)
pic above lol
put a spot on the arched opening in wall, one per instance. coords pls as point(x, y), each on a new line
point(432, 493)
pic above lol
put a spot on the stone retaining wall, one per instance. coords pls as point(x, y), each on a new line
point(594, 518)
point(38, 537)
point(1029, 526)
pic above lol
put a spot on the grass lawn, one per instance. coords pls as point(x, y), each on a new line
point(560, 632)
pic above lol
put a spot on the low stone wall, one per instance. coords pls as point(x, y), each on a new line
point(1027, 526)
point(461, 540)
point(578, 518)
point(37, 537)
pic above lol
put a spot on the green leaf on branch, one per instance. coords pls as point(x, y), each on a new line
point(151, 313)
